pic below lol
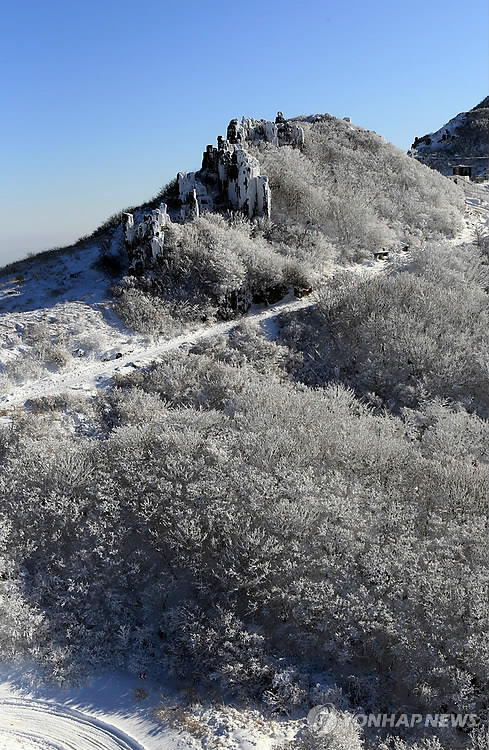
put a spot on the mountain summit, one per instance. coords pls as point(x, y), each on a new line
point(462, 140)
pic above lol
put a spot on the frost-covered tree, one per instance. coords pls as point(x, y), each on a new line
point(421, 330)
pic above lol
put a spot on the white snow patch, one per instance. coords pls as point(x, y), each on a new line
point(86, 376)
point(104, 715)
point(117, 712)
point(89, 318)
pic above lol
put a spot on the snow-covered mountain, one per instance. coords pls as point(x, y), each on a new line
point(273, 208)
point(238, 451)
point(462, 140)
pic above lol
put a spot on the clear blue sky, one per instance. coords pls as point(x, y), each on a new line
point(103, 102)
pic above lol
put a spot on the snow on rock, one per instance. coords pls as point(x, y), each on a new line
point(192, 194)
point(230, 179)
point(280, 133)
point(237, 172)
point(246, 188)
point(145, 240)
point(234, 179)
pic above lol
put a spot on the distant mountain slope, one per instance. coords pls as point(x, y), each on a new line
point(462, 140)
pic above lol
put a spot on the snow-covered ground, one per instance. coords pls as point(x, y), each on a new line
point(131, 351)
point(63, 301)
point(121, 712)
point(105, 714)
point(67, 298)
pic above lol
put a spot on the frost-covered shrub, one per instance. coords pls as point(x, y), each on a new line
point(211, 262)
point(5, 382)
point(22, 369)
point(345, 735)
point(205, 254)
point(23, 631)
point(421, 331)
point(463, 266)
point(218, 647)
point(396, 743)
point(213, 257)
point(288, 689)
point(151, 314)
point(58, 356)
point(90, 344)
point(479, 738)
point(359, 191)
point(346, 194)
point(203, 385)
point(297, 526)
point(206, 262)
point(250, 531)
point(38, 350)
point(248, 343)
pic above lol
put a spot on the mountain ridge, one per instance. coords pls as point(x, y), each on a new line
point(464, 139)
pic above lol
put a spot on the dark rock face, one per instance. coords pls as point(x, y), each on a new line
point(302, 292)
point(270, 295)
point(145, 240)
point(463, 140)
point(234, 303)
point(239, 301)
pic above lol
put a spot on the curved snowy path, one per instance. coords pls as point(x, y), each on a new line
point(89, 375)
point(26, 724)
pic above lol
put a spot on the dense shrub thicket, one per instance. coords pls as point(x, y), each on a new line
point(418, 332)
point(362, 193)
point(295, 516)
point(247, 531)
point(235, 530)
point(219, 265)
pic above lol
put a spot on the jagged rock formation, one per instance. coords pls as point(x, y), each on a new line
point(229, 180)
point(280, 133)
point(145, 240)
point(462, 140)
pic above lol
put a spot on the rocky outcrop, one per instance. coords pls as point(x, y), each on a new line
point(462, 140)
point(280, 133)
point(229, 180)
point(187, 191)
point(145, 240)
